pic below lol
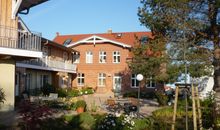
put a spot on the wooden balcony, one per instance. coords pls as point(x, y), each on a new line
point(48, 64)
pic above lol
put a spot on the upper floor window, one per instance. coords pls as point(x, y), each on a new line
point(80, 79)
point(134, 81)
point(116, 57)
point(102, 57)
point(89, 57)
point(76, 58)
point(65, 56)
point(151, 83)
point(45, 51)
point(102, 79)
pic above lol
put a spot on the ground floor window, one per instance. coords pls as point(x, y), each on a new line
point(134, 81)
point(44, 79)
point(101, 79)
point(151, 83)
point(80, 79)
point(28, 81)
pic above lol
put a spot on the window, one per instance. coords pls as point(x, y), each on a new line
point(28, 81)
point(80, 79)
point(89, 57)
point(44, 79)
point(67, 42)
point(102, 79)
point(45, 51)
point(116, 57)
point(151, 83)
point(76, 58)
point(102, 57)
point(134, 81)
point(65, 56)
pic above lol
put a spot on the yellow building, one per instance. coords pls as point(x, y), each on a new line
point(15, 45)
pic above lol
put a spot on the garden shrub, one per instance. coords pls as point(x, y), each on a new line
point(143, 124)
point(162, 98)
point(84, 121)
point(130, 94)
point(207, 112)
point(62, 92)
point(87, 91)
point(146, 95)
point(47, 89)
point(73, 93)
point(2, 96)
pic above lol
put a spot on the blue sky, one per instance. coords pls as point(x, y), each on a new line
point(83, 16)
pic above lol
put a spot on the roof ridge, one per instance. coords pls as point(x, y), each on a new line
point(102, 33)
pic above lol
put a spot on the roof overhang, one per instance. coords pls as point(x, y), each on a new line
point(52, 43)
point(97, 39)
point(27, 4)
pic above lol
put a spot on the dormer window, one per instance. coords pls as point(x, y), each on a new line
point(144, 39)
point(67, 42)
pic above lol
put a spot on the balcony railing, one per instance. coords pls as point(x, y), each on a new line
point(13, 38)
point(50, 64)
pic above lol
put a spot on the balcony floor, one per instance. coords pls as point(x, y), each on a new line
point(19, 53)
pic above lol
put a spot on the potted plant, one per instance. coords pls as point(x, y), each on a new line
point(80, 106)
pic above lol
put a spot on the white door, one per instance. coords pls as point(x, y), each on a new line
point(117, 83)
point(17, 84)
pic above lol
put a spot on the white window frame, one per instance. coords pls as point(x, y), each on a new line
point(116, 57)
point(101, 79)
point(136, 82)
point(89, 57)
point(80, 79)
point(150, 83)
point(76, 58)
point(102, 56)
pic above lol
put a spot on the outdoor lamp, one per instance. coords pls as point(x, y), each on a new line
point(139, 78)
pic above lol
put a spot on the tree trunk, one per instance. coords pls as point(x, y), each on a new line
point(213, 15)
point(216, 64)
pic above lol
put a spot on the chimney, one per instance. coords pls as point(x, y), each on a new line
point(109, 31)
point(57, 33)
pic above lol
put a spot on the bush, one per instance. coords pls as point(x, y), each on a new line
point(73, 92)
point(83, 121)
point(143, 124)
point(207, 112)
point(2, 96)
point(131, 94)
point(162, 98)
point(47, 89)
point(146, 95)
point(87, 91)
point(87, 121)
point(163, 118)
point(80, 103)
point(62, 92)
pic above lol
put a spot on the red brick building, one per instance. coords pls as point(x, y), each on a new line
point(102, 60)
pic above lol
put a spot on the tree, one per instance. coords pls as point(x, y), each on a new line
point(191, 28)
point(149, 58)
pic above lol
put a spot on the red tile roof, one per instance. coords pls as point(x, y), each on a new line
point(128, 38)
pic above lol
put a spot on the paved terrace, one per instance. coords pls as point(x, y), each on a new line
point(146, 109)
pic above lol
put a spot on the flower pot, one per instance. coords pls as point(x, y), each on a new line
point(80, 110)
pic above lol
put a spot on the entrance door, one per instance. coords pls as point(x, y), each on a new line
point(117, 83)
point(17, 84)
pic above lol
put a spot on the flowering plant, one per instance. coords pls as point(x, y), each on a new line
point(112, 122)
point(108, 123)
point(128, 122)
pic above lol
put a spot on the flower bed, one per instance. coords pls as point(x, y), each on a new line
point(74, 92)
